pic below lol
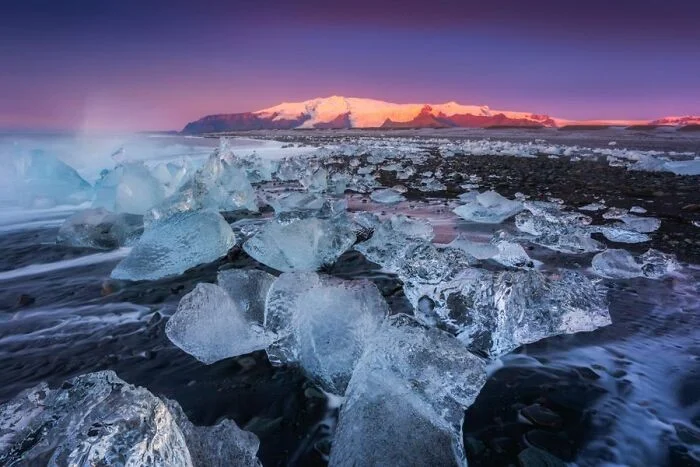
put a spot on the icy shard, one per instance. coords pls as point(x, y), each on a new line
point(387, 196)
point(496, 312)
point(405, 402)
point(43, 180)
point(98, 419)
point(99, 228)
point(172, 246)
point(300, 244)
point(129, 188)
point(323, 324)
point(212, 326)
point(489, 208)
point(248, 288)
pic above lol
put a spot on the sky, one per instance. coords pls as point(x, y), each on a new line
point(152, 65)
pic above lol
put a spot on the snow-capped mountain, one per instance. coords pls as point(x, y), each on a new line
point(338, 112)
point(351, 112)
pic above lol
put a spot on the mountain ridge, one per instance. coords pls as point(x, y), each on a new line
point(338, 112)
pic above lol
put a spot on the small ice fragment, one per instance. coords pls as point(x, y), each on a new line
point(98, 419)
point(387, 196)
point(615, 213)
point(323, 324)
point(616, 264)
point(637, 210)
point(303, 244)
point(405, 402)
point(489, 208)
point(248, 288)
point(178, 243)
point(641, 224)
point(211, 326)
point(99, 228)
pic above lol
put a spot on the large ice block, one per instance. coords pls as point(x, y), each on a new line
point(178, 243)
point(211, 326)
point(405, 402)
point(496, 312)
point(98, 419)
point(323, 324)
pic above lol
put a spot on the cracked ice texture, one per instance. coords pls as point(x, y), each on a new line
point(495, 312)
point(178, 243)
point(211, 326)
point(304, 244)
point(405, 402)
point(323, 324)
point(98, 419)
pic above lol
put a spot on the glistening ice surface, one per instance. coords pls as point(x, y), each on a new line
point(489, 297)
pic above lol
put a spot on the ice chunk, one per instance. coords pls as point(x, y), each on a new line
point(129, 188)
point(620, 264)
point(489, 208)
point(405, 402)
point(323, 324)
point(300, 244)
point(315, 179)
point(656, 264)
point(392, 239)
point(641, 224)
point(248, 288)
point(220, 185)
point(616, 264)
point(178, 243)
point(387, 196)
point(99, 228)
point(42, 180)
point(495, 312)
point(565, 232)
point(98, 419)
point(212, 326)
point(621, 235)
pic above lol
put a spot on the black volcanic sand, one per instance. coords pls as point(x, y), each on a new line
point(60, 324)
